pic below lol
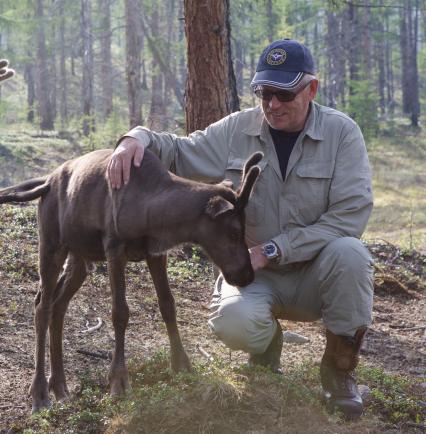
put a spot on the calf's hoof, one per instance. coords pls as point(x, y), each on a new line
point(119, 384)
point(181, 363)
point(39, 392)
point(59, 389)
point(39, 404)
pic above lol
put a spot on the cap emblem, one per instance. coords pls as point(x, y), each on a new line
point(276, 56)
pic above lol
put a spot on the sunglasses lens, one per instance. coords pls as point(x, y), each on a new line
point(285, 96)
point(282, 96)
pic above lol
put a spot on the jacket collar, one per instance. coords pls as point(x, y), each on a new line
point(313, 125)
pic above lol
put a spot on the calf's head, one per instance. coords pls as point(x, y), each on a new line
point(224, 235)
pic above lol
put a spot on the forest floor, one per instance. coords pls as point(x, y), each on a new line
point(221, 396)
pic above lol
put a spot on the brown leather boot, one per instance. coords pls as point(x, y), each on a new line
point(337, 373)
point(271, 357)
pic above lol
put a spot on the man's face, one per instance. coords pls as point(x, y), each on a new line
point(289, 116)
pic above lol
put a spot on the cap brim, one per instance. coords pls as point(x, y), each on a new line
point(279, 79)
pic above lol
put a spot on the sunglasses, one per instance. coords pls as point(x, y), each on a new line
point(281, 95)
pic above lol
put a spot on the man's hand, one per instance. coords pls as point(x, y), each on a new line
point(258, 259)
point(119, 166)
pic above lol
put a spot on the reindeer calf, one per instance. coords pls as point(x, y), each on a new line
point(81, 219)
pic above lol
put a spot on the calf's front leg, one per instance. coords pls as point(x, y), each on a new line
point(118, 375)
point(158, 268)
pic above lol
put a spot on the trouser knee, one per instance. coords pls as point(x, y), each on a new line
point(346, 269)
point(243, 325)
point(348, 255)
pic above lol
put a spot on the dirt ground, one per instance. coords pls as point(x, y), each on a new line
point(396, 340)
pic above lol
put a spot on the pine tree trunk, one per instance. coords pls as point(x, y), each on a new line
point(87, 80)
point(133, 64)
point(156, 113)
point(106, 62)
point(208, 91)
point(63, 85)
point(29, 79)
point(42, 73)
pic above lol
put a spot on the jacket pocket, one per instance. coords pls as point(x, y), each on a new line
point(255, 210)
point(311, 189)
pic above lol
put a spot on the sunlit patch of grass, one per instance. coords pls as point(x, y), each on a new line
point(19, 241)
point(395, 397)
point(217, 397)
point(399, 177)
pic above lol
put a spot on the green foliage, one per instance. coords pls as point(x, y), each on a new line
point(106, 133)
point(395, 397)
point(183, 269)
point(362, 106)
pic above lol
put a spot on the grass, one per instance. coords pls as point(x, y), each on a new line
point(218, 398)
point(398, 159)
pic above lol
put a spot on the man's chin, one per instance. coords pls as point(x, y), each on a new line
point(277, 123)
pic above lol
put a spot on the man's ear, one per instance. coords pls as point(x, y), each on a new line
point(218, 206)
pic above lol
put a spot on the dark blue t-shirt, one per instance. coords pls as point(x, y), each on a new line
point(284, 143)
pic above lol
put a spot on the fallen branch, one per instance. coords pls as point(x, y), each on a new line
point(95, 327)
point(405, 328)
point(416, 425)
point(382, 278)
point(96, 354)
point(209, 357)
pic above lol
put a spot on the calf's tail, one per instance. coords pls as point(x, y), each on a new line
point(25, 191)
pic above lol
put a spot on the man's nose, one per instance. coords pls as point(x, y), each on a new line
point(274, 102)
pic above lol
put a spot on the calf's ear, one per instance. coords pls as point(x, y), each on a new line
point(218, 206)
point(247, 187)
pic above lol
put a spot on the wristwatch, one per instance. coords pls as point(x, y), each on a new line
point(271, 251)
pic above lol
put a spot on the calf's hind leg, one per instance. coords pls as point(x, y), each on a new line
point(69, 283)
point(158, 268)
point(51, 261)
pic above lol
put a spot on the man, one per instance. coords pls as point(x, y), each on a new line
point(309, 207)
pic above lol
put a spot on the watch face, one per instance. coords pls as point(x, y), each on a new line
point(270, 250)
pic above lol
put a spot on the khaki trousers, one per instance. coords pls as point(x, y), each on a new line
point(336, 286)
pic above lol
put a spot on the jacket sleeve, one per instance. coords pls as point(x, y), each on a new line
point(349, 207)
point(201, 156)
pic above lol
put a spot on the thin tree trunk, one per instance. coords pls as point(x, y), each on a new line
point(270, 20)
point(106, 62)
point(156, 112)
point(133, 63)
point(42, 73)
point(87, 80)
point(63, 82)
point(29, 79)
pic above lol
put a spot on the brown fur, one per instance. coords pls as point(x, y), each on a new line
point(81, 219)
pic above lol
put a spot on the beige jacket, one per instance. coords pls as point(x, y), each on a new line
point(327, 190)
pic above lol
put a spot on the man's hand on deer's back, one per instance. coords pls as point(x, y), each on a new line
point(127, 151)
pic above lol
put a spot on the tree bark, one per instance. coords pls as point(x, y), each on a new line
point(106, 62)
point(208, 93)
point(156, 113)
point(42, 73)
point(408, 43)
point(63, 82)
point(133, 63)
point(87, 79)
point(29, 79)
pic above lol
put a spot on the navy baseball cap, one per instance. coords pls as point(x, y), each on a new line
point(284, 64)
